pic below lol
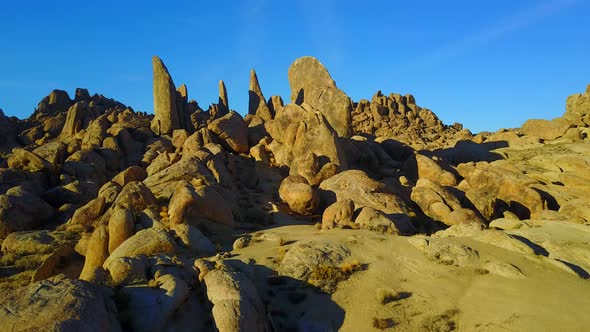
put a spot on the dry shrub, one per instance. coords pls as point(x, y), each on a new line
point(351, 267)
point(444, 322)
point(382, 323)
point(385, 296)
point(327, 277)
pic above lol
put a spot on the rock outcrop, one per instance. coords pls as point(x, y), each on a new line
point(312, 84)
point(167, 115)
point(257, 104)
point(193, 219)
point(58, 305)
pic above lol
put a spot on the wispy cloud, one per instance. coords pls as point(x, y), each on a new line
point(501, 28)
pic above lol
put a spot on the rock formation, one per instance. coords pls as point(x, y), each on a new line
point(168, 116)
point(193, 219)
point(257, 104)
point(312, 84)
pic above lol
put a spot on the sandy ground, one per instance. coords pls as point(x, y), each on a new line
point(436, 296)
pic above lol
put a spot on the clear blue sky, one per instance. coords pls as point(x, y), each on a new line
point(488, 63)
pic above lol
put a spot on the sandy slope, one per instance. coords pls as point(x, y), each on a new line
point(439, 297)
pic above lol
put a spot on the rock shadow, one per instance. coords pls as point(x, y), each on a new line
point(577, 269)
point(467, 151)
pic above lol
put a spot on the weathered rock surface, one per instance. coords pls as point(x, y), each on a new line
point(305, 256)
point(21, 210)
point(299, 195)
point(58, 304)
point(312, 84)
point(299, 132)
point(357, 186)
point(257, 104)
point(145, 242)
point(167, 117)
point(193, 205)
point(236, 303)
point(338, 214)
point(232, 130)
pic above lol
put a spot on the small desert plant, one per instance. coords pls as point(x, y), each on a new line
point(164, 214)
point(327, 277)
point(382, 323)
point(281, 251)
point(444, 322)
point(282, 241)
point(385, 296)
point(351, 267)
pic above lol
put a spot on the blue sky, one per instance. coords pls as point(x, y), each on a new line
point(488, 64)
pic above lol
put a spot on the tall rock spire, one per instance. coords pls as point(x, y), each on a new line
point(165, 108)
point(257, 104)
point(223, 103)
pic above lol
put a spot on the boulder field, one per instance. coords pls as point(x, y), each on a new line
point(321, 214)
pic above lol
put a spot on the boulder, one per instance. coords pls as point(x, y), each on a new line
point(58, 304)
point(546, 129)
point(54, 152)
point(96, 132)
point(78, 117)
point(128, 270)
point(338, 214)
point(275, 104)
point(179, 136)
point(90, 213)
point(311, 83)
point(33, 242)
point(28, 161)
point(236, 303)
point(135, 196)
point(376, 220)
point(196, 242)
point(305, 256)
point(121, 227)
point(133, 173)
point(150, 309)
point(509, 186)
point(97, 251)
point(299, 195)
point(163, 183)
point(198, 140)
point(300, 131)
point(431, 170)
point(145, 242)
point(109, 191)
point(435, 201)
point(357, 186)
point(21, 210)
point(447, 253)
point(232, 129)
point(51, 264)
point(56, 102)
point(194, 205)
